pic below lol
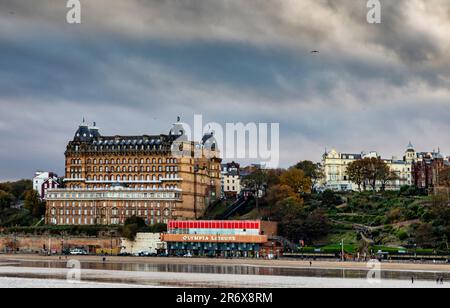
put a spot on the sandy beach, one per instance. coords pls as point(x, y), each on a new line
point(49, 278)
point(42, 271)
point(240, 262)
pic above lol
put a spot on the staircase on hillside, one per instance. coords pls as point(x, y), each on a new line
point(235, 207)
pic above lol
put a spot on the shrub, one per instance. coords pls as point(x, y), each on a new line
point(402, 235)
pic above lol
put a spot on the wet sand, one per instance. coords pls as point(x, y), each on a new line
point(13, 283)
point(49, 278)
point(386, 266)
point(44, 271)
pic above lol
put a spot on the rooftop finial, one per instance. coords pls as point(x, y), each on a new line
point(178, 119)
point(95, 124)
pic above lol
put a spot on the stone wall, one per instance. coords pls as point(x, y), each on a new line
point(35, 244)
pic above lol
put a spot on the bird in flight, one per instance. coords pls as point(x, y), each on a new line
point(315, 51)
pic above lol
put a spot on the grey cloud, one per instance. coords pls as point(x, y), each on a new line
point(132, 66)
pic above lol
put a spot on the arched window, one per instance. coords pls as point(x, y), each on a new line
point(118, 178)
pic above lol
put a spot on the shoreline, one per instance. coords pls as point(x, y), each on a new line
point(283, 263)
point(48, 278)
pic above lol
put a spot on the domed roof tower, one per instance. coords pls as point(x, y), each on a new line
point(83, 133)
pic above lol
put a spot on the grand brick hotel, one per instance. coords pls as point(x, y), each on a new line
point(111, 178)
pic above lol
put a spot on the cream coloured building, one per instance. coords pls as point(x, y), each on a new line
point(335, 169)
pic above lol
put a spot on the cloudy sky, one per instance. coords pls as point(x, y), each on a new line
point(133, 66)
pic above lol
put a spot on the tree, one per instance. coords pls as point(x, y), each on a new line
point(6, 200)
point(444, 177)
point(297, 180)
point(384, 174)
point(257, 181)
point(356, 172)
point(134, 220)
point(132, 226)
point(34, 204)
point(18, 189)
point(425, 236)
point(311, 170)
point(370, 171)
point(279, 193)
point(296, 223)
point(330, 198)
point(316, 225)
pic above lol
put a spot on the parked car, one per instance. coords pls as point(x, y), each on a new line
point(78, 252)
point(188, 255)
point(124, 254)
point(143, 254)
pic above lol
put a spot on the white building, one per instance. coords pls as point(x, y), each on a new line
point(43, 181)
point(143, 243)
point(335, 169)
point(231, 180)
